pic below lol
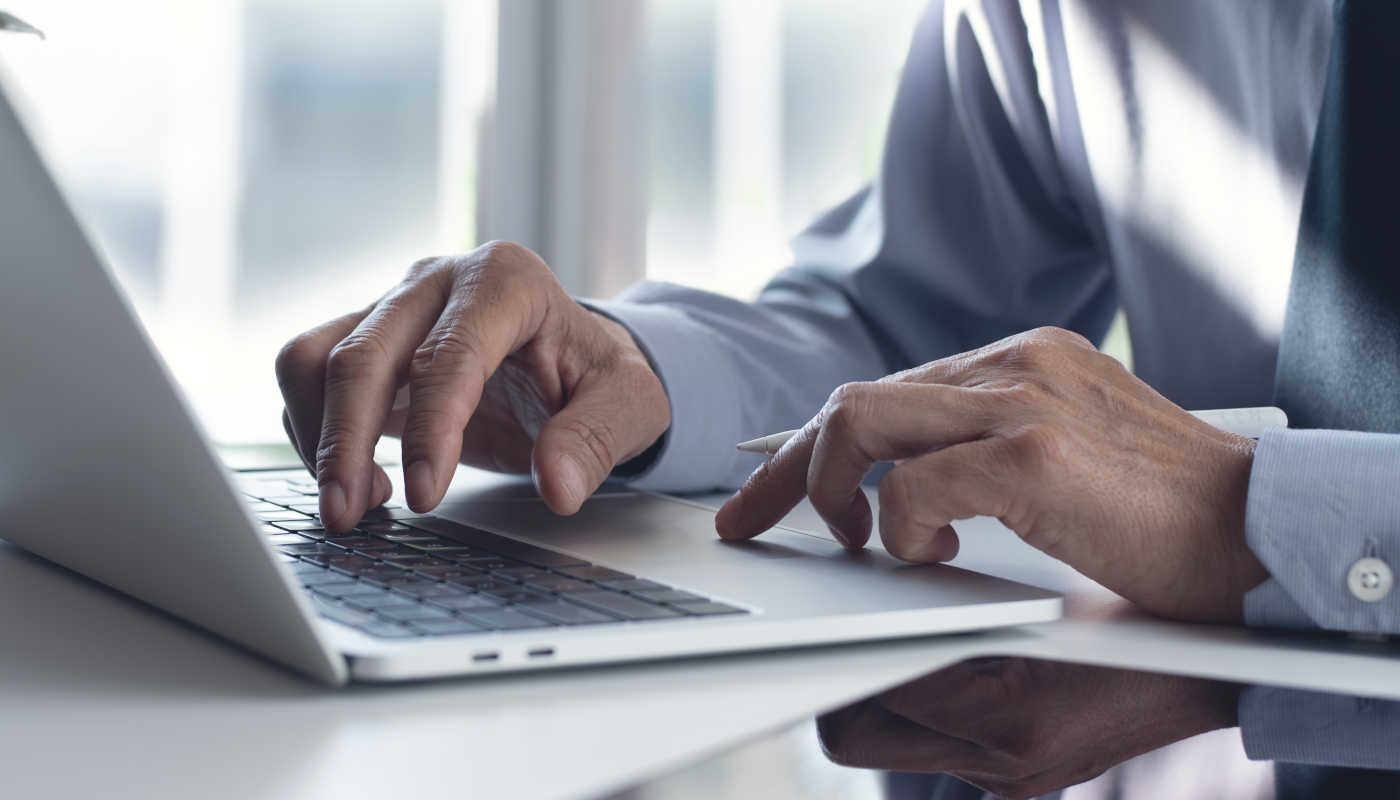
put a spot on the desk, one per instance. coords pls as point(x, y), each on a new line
point(102, 696)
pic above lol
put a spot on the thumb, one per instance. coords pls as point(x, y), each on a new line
point(579, 446)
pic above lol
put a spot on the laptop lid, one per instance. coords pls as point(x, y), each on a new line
point(103, 468)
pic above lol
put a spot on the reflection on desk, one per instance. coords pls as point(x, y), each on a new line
point(1020, 727)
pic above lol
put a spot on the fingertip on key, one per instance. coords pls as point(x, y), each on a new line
point(420, 487)
point(333, 502)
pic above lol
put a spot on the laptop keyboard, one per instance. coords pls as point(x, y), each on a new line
point(400, 575)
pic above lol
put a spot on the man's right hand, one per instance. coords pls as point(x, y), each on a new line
point(503, 369)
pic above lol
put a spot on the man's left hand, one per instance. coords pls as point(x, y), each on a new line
point(1058, 441)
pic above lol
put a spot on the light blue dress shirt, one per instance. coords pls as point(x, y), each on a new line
point(1049, 162)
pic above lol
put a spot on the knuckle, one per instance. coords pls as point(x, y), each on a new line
point(845, 407)
point(424, 266)
point(297, 358)
point(445, 350)
point(1036, 448)
point(355, 355)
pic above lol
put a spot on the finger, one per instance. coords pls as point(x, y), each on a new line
point(921, 497)
point(362, 375)
point(1037, 350)
point(772, 490)
point(301, 376)
point(383, 487)
point(865, 423)
point(954, 699)
point(579, 446)
point(867, 735)
point(486, 318)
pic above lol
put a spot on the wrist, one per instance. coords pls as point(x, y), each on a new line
point(1242, 570)
point(651, 396)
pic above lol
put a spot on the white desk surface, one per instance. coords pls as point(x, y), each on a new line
point(102, 696)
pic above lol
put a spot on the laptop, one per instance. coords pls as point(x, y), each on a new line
point(104, 470)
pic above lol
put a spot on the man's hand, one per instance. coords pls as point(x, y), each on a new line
point(1080, 458)
point(1019, 728)
point(503, 369)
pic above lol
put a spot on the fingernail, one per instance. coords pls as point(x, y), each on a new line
point(419, 485)
point(332, 502)
point(572, 480)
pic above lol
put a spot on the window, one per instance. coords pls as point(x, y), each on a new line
point(252, 168)
point(255, 167)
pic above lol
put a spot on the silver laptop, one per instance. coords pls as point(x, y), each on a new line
point(104, 470)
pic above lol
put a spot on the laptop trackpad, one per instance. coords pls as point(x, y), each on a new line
point(675, 542)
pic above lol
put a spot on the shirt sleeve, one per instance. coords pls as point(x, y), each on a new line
point(1319, 503)
point(1315, 728)
point(969, 233)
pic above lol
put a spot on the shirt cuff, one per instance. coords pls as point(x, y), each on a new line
point(1319, 501)
point(698, 452)
point(1315, 728)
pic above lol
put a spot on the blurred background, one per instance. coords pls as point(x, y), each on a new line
point(251, 168)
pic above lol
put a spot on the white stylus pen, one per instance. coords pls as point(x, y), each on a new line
point(1242, 421)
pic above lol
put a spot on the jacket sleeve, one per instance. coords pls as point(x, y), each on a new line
point(968, 234)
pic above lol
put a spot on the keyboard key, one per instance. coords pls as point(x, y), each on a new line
point(265, 508)
point(387, 512)
point(385, 575)
point(340, 612)
point(301, 486)
point(306, 508)
point(621, 605)
point(465, 602)
point(491, 563)
point(389, 630)
point(302, 567)
point(355, 590)
point(593, 573)
point(350, 563)
point(416, 611)
point(282, 516)
point(380, 602)
point(506, 619)
point(511, 593)
point(438, 547)
point(409, 561)
point(311, 549)
point(301, 525)
point(333, 582)
point(565, 613)
point(671, 597)
point(520, 574)
point(284, 499)
point(484, 583)
point(446, 627)
point(414, 586)
point(635, 585)
point(269, 528)
point(384, 526)
point(503, 545)
point(709, 608)
point(361, 543)
point(287, 538)
point(560, 584)
point(455, 573)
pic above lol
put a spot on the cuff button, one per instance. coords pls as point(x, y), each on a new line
point(1370, 580)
